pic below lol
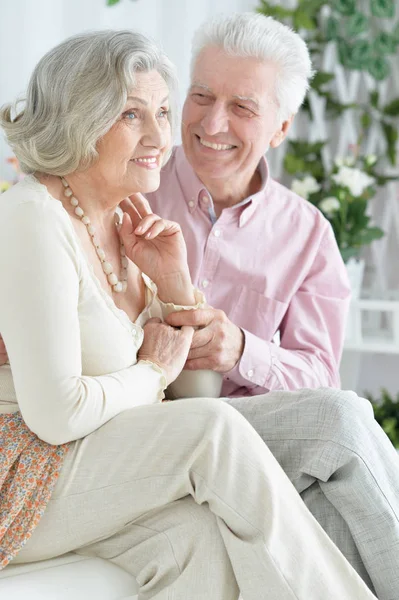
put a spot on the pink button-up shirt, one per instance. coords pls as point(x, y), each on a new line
point(273, 265)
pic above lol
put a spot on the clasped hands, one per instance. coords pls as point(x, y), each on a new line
point(157, 247)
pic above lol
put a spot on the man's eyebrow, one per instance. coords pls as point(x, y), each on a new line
point(247, 99)
point(144, 102)
point(201, 85)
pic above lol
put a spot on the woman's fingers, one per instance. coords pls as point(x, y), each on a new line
point(140, 204)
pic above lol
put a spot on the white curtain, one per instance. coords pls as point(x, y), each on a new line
point(28, 28)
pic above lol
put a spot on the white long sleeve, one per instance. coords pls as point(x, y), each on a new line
point(73, 359)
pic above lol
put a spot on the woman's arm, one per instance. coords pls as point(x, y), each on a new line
point(40, 274)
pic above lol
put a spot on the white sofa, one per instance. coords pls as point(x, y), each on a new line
point(68, 577)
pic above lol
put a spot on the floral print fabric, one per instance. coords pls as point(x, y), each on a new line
point(29, 468)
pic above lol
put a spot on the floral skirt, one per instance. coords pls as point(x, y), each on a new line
point(29, 469)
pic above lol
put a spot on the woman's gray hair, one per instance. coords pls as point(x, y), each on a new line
point(251, 35)
point(76, 93)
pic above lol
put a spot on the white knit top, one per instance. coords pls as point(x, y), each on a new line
point(73, 351)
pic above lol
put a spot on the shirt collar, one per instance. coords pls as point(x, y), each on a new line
point(192, 187)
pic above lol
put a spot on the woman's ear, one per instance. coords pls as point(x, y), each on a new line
point(281, 133)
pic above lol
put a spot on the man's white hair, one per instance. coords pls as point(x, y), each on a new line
point(256, 36)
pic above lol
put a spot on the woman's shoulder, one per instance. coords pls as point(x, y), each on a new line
point(29, 199)
point(29, 211)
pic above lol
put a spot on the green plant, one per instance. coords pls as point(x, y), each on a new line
point(365, 34)
point(342, 193)
point(386, 413)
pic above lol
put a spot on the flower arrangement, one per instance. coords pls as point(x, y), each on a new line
point(6, 184)
point(342, 193)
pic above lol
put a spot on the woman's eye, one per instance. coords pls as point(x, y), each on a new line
point(130, 115)
point(164, 113)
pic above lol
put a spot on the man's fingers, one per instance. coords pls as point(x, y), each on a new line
point(195, 318)
point(201, 338)
point(153, 320)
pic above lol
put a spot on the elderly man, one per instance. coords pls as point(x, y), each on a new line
point(267, 261)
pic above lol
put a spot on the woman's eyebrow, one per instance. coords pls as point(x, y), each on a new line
point(144, 102)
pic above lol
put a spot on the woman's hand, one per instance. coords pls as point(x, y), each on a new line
point(155, 245)
point(166, 346)
point(3, 352)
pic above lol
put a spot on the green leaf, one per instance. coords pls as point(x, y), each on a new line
point(383, 44)
point(321, 78)
point(379, 68)
point(395, 34)
point(360, 54)
point(112, 2)
point(278, 12)
point(345, 7)
point(293, 165)
point(348, 253)
point(374, 97)
point(365, 120)
point(357, 23)
point(332, 29)
point(391, 137)
point(382, 8)
point(302, 20)
point(392, 109)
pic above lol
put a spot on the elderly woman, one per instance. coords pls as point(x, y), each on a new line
point(184, 495)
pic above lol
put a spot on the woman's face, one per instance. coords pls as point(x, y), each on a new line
point(132, 152)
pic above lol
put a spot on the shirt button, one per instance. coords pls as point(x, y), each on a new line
point(216, 233)
point(250, 373)
point(205, 283)
point(191, 203)
point(134, 333)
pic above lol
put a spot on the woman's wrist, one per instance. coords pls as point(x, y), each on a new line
point(176, 288)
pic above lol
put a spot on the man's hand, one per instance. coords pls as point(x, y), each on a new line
point(3, 352)
point(217, 344)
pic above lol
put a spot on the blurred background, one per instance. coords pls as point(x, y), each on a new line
point(342, 154)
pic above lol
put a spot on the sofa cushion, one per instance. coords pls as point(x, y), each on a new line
point(68, 577)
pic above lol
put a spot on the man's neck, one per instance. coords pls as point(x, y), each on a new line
point(229, 193)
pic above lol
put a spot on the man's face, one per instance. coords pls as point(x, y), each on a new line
point(229, 116)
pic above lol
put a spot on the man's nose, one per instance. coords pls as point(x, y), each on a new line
point(215, 120)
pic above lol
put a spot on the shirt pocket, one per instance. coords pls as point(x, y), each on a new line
point(261, 315)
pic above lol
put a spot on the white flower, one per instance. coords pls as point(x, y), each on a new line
point(344, 161)
point(329, 205)
point(371, 159)
point(354, 179)
point(305, 187)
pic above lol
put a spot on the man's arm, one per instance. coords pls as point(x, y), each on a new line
point(311, 335)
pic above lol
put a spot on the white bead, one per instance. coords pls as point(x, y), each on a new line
point(124, 262)
point(74, 201)
point(118, 287)
point(117, 219)
point(101, 254)
point(79, 211)
point(68, 191)
point(124, 274)
point(85, 220)
point(124, 286)
point(112, 278)
point(95, 241)
point(107, 268)
point(64, 182)
point(91, 230)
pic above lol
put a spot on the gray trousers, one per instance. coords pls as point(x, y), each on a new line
point(344, 467)
point(187, 497)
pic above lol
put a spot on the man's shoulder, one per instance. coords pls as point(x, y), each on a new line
point(293, 206)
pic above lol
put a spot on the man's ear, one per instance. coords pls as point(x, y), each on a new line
point(281, 133)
